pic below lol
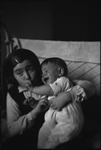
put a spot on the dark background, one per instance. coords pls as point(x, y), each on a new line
point(52, 20)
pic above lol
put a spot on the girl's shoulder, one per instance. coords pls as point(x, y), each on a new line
point(14, 93)
point(19, 98)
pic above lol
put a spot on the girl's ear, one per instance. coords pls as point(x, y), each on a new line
point(61, 71)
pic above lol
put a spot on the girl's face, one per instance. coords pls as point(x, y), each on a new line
point(50, 73)
point(24, 73)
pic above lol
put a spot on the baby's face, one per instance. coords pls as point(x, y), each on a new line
point(24, 73)
point(49, 73)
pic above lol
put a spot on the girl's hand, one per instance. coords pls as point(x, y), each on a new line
point(42, 105)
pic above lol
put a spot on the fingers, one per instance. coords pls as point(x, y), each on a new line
point(43, 105)
point(44, 101)
point(52, 105)
point(28, 84)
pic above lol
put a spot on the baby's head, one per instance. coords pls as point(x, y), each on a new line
point(21, 67)
point(53, 68)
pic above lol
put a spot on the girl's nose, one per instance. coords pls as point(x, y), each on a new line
point(26, 75)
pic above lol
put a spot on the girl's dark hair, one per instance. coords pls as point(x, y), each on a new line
point(57, 61)
point(18, 56)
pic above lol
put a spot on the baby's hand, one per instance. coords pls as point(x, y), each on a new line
point(30, 88)
point(28, 84)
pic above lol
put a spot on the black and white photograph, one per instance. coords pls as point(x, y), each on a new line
point(50, 75)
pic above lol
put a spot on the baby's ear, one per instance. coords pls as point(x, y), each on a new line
point(61, 71)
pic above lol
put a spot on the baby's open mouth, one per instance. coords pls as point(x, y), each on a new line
point(45, 79)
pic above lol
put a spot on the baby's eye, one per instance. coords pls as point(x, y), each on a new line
point(45, 71)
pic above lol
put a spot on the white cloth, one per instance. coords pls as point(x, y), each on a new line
point(62, 125)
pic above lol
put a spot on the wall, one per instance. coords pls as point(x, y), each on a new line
point(52, 20)
point(78, 51)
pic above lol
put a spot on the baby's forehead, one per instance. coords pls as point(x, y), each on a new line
point(49, 65)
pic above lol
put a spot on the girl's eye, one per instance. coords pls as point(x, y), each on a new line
point(20, 73)
point(30, 69)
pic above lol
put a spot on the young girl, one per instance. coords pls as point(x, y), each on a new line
point(24, 112)
point(59, 126)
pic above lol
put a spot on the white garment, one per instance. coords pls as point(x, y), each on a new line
point(64, 124)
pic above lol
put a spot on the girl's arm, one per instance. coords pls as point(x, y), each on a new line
point(65, 97)
point(18, 123)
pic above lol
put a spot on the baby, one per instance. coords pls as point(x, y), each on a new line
point(59, 126)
